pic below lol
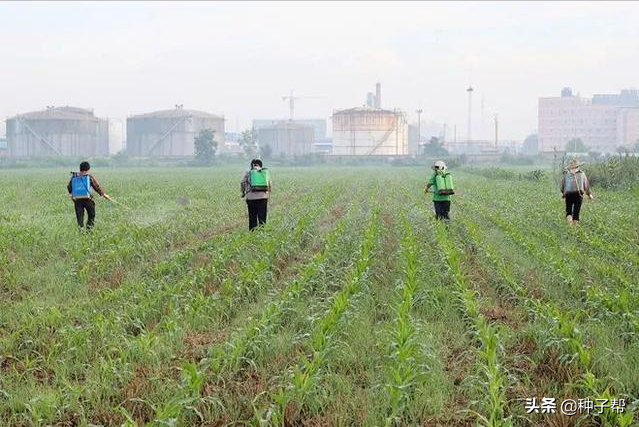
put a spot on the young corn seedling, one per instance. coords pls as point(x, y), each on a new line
point(304, 375)
point(493, 379)
point(563, 331)
point(230, 356)
point(404, 370)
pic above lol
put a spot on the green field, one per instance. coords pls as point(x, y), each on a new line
point(352, 307)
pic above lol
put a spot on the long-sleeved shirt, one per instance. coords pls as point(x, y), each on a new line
point(436, 196)
point(94, 184)
point(575, 183)
point(245, 188)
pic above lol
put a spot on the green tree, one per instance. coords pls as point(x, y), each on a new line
point(435, 148)
point(248, 142)
point(576, 145)
point(205, 146)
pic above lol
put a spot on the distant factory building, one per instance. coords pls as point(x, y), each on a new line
point(170, 133)
point(366, 131)
point(602, 123)
point(319, 125)
point(370, 130)
point(3, 147)
point(58, 131)
point(287, 138)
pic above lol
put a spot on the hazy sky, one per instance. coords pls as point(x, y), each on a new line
point(239, 59)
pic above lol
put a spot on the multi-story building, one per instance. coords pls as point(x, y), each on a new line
point(603, 123)
point(628, 127)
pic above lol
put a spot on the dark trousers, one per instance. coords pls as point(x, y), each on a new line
point(573, 205)
point(82, 205)
point(442, 209)
point(257, 212)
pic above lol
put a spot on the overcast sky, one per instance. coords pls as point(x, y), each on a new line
point(239, 59)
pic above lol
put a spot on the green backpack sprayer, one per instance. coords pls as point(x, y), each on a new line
point(258, 179)
point(444, 183)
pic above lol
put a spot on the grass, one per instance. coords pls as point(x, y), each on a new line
point(352, 306)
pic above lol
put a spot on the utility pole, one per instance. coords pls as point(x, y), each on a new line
point(419, 127)
point(470, 104)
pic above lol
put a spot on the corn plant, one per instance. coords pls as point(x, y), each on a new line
point(404, 368)
point(563, 330)
point(494, 379)
point(303, 377)
point(229, 356)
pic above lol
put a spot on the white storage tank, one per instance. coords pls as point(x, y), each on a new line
point(369, 131)
point(58, 131)
point(170, 133)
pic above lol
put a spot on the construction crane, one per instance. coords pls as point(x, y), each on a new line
point(291, 101)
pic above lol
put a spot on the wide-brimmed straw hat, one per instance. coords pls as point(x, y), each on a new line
point(574, 164)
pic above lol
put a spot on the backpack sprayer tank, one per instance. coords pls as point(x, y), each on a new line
point(258, 179)
point(444, 184)
point(80, 186)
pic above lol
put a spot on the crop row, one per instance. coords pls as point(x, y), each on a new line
point(230, 356)
point(141, 316)
point(619, 302)
point(304, 375)
point(494, 379)
point(235, 290)
point(404, 368)
point(609, 258)
point(561, 331)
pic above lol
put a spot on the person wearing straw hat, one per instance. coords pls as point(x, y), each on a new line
point(574, 185)
point(442, 182)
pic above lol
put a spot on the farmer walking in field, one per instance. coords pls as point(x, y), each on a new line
point(79, 187)
point(256, 188)
point(442, 182)
point(574, 184)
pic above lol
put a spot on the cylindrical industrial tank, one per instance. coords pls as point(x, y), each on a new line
point(170, 133)
point(369, 131)
point(58, 131)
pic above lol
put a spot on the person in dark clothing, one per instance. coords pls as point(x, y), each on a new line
point(574, 185)
point(256, 188)
point(79, 188)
